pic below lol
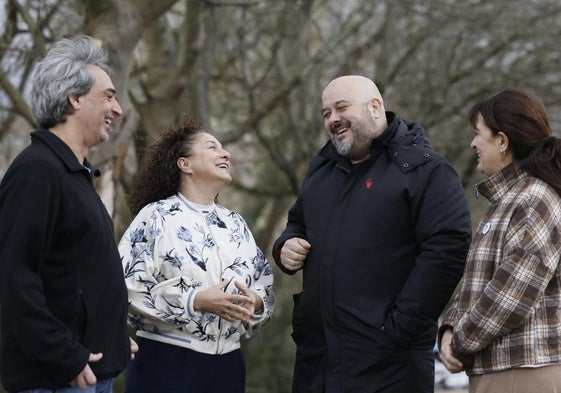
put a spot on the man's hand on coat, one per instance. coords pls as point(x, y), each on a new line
point(87, 378)
point(134, 347)
point(294, 252)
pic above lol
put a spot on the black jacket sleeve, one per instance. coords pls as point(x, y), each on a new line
point(442, 223)
point(29, 204)
point(294, 228)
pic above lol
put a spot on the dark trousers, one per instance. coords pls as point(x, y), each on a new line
point(159, 367)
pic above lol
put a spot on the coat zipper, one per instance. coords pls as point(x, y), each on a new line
point(221, 270)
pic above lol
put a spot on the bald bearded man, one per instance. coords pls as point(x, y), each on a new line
point(380, 230)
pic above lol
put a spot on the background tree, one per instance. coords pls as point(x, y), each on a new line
point(253, 71)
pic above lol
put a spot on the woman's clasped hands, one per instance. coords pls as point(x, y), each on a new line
point(231, 307)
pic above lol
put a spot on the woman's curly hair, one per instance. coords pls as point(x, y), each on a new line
point(159, 175)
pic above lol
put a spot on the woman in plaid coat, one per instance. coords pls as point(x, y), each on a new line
point(504, 329)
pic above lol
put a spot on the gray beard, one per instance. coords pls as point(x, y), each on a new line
point(343, 148)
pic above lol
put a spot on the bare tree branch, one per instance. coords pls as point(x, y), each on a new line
point(18, 103)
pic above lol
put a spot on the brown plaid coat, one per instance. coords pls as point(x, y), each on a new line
point(508, 311)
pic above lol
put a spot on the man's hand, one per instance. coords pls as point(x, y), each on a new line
point(452, 364)
point(294, 252)
point(87, 378)
point(134, 347)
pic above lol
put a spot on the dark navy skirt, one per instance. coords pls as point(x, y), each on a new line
point(159, 367)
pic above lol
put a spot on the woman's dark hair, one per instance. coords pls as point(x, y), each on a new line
point(523, 118)
point(159, 175)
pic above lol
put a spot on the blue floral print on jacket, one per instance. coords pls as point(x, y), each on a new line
point(171, 251)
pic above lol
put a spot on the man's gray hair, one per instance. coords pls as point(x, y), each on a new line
point(64, 73)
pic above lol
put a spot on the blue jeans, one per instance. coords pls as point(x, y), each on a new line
point(103, 386)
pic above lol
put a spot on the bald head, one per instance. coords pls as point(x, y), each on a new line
point(357, 87)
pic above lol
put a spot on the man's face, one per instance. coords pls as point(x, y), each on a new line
point(348, 120)
point(98, 108)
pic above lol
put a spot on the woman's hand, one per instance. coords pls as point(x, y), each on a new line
point(257, 306)
point(452, 364)
point(230, 307)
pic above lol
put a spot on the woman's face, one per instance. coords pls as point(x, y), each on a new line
point(209, 161)
point(491, 150)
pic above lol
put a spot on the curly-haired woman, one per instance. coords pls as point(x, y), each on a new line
point(196, 280)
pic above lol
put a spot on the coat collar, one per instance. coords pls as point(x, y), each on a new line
point(496, 185)
point(63, 152)
point(377, 144)
point(400, 140)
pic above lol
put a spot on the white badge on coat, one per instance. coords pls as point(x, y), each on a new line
point(486, 228)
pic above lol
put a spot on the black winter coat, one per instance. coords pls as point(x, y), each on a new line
point(389, 239)
point(62, 290)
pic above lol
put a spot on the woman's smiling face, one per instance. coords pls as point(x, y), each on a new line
point(491, 151)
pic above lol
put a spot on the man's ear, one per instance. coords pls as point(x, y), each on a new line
point(74, 102)
point(375, 106)
point(184, 165)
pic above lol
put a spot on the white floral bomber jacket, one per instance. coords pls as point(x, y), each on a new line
point(173, 249)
